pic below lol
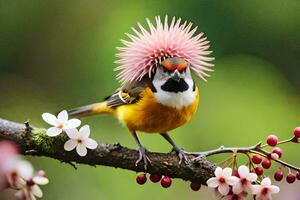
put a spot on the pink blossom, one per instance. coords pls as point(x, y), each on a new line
point(222, 181)
point(245, 180)
point(265, 190)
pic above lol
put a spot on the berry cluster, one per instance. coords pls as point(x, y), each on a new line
point(264, 160)
point(165, 181)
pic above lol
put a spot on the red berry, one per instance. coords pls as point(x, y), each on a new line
point(256, 159)
point(272, 140)
point(155, 178)
point(266, 163)
point(278, 176)
point(297, 132)
point(298, 176)
point(141, 179)
point(290, 178)
point(259, 171)
point(166, 181)
point(278, 151)
point(195, 186)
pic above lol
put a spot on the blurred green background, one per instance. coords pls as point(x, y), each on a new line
point(59, 54)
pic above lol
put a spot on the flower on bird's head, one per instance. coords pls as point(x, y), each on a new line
point(60, 123)
point(245, 180)
point(265, 190)
point(148, 48)
point(80, 140)
point(222, 181)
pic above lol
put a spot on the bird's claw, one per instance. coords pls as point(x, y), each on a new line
point(183, 156)
point(198, 157)
point(143, 157)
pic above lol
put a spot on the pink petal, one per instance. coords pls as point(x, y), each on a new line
point(237, 188)
point(72, 123)
point(256, 189)
point(49, 118)
point(63, 116)
point(84, 132)
point(36, 190)
point(232, 180)
point(218, 172)
point(223, 189)
point(252, 177)
point(227, 172)
point(72, 133)
point(213, 182)
point(266, 182)
point(53, 131)
point(70, 145)
point(243, 171)
point(274, 189)
point(90, 143)
point(40, 180)
point(81, 150)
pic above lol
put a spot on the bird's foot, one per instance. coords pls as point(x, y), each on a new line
point(143, 158)
point(182, 155)
point(198, 156)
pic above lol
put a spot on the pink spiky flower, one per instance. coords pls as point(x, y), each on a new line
point(147, 49)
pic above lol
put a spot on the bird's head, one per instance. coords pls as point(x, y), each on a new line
point(175, 68)
point(173, 75)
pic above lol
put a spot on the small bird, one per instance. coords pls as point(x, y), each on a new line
point(157, 92)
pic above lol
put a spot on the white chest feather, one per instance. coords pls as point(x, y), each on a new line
point(174, 99)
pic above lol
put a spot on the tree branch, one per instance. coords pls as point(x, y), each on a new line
point(34, 142)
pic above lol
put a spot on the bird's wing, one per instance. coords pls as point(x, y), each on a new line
point(127, 94)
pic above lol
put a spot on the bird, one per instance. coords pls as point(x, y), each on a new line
point(157, 91)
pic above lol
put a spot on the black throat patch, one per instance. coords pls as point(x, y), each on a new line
point(174, 86)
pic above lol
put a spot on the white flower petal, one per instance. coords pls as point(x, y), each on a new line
point(40, 180)
point(49, 118)
point(213, 182)
point(237, 188)
point(31, 197)
point(36, 190)
point(218, 171)
point(227, 172)
point(252, 177)
point(266, 182)
point(243, 171)
point(81, 150)
point(72, 123)
point(24, 169)
point(274, 189)
point(72, 133)
point(232, 180)
point(256, 189)
point(70, 145)
point(53, 131)
point(63, 116)
point(90, 143)
point(223, 189)
point(84, 132)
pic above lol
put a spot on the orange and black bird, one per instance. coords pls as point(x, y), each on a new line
point(157, 92)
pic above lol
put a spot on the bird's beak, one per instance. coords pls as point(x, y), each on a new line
point(176, 76)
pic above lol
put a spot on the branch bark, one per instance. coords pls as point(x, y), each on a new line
point(34, 142)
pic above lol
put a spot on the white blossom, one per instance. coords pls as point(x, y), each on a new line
point(222, 181)
point(80, 140)
point(265, 190)
point(30, 189)
point(60, 123)
point(245, 180)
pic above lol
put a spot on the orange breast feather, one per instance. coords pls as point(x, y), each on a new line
point(149, 116)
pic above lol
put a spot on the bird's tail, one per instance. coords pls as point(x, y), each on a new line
point(92, 109)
